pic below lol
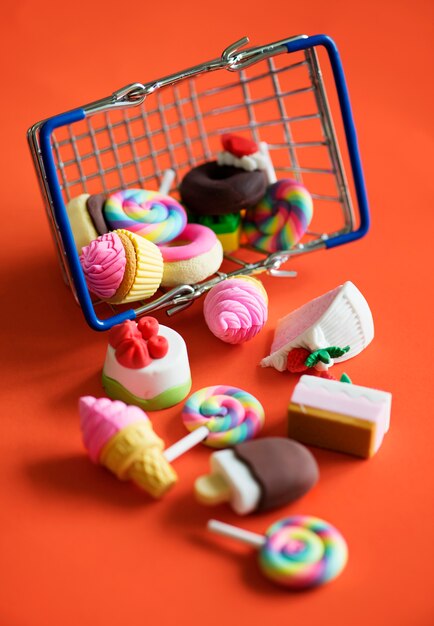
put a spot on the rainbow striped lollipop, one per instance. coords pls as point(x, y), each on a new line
point(297, 552)
point(281, 218)
point(219, 417)
point(151, 214)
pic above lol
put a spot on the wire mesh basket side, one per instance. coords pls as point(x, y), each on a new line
point(280, 100)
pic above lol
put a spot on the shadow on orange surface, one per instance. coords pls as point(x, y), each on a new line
point(75, 477)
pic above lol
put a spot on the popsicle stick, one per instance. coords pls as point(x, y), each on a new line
point(166, 183)
point(269, 170)
point(186, 443)
point(239, 534)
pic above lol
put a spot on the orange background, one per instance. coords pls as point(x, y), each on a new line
point(77, 546)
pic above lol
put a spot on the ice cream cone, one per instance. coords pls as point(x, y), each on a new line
point(135, 453)
point(151, 471)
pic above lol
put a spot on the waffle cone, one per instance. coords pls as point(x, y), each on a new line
point(152, 472)
point(118, 453)
point(136, 453)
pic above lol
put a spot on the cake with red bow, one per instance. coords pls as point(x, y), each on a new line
point(146, 364)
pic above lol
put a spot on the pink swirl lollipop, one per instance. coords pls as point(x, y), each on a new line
point(236, 309)
point(296, 552)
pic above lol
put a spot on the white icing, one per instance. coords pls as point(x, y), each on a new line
point(245, 490)
point(347, 321)
point(250, 163)
point(159, 376)
point(346, 399)
point(354, 391)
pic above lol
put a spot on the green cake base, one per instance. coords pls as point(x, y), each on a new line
point(163, 401)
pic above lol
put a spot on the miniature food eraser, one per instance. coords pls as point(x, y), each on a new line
point(281, 217)
point(258, 475)
point(297, 552)
point(341, 318)
point(121, 438)
point(339, 416)
point(150, 214)
point(146, 364)
point(122, 267)
point(236, 309)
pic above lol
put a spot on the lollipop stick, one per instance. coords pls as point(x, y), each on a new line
point(269, 170)
point(166, 183)
point(239, 534)
point(186, 443)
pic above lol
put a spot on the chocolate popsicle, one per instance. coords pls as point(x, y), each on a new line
point(258, 475)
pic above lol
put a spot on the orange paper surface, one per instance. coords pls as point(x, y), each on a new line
point(78, 547)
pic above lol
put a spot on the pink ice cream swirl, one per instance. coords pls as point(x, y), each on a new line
point(236, 309)
point(103, 262)
point(101, 419)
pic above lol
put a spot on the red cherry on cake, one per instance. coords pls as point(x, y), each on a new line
point(148, 327)
point(133, 353)
point(121, 332)
point(238, 146)
point(158, 346)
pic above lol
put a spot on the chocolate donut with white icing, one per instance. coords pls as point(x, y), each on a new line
point(213, 189)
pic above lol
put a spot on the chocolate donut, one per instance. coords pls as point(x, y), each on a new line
point(213, 189)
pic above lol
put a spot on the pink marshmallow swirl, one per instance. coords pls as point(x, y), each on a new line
point(101, 419)
point(236, 309)
point(103, 262)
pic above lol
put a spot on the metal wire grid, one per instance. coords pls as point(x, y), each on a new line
point(179, 126)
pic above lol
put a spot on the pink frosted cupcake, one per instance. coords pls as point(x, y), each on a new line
point(122, 267)
point(236, 309)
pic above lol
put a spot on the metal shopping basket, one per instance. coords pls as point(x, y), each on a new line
point(274, 93)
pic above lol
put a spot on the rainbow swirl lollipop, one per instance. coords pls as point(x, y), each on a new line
point(230, 415)
point(297, 552)
point(152, 215)
point(281, 218)
point(303, 551)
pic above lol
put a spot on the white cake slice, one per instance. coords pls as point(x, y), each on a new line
point(340, 317)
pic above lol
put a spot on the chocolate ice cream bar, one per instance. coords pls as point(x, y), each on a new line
point(258, 475)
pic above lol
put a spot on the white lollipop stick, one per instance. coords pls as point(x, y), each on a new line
point(239, 534)
point(269, 169)
point(166, 183)
point(186, 443)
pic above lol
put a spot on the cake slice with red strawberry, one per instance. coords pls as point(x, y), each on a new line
point(331, 328)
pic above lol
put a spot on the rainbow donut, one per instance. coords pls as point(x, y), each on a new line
point(150, 214)
point(281, 218)
point(191, 257)
point(303, 551)
point(230, 414)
